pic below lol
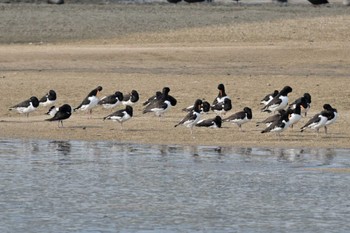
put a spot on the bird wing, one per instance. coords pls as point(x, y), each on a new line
point(111, 99)
point(205, 123)
point(189, 117)
point(23, 104)
point(237, 115)
point(59, 116)
point(44, 98)
point(274, 102)
point(157, 104)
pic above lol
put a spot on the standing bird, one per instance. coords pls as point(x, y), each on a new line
point(121, 115)
point(240, 118)
point(192, 118)
point(131, 98)
point(221, 96)
point(268, 121)
point(318, 121)
point(266, 100)
point(161, 104)
point(294, 114)
point(63, 113)
point(221, 108)
point(215, 122)
point(305, 101)
point(157, 96)
point(278, 126)
point(52, 111)
point(332, 118)
point(278, 102)
point(48, 99)
point(26, 106)
point(204, 109)
point(90, 101)
point(111, 101)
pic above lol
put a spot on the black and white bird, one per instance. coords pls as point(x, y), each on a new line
point(204, 109)
point(162, 104)
point(269, 120)
point(221, 108)
point(157, 96)
point(332, 118)
point(278, 126)
point(278, 102)
point(131, 98)
point(318, 121)
point(221, 95)
point(63, 113)
point(52, 111)
point(266, 100)
point(294, 114)
point(193, 117)
point(305, 101)
point(111, 101)
point(121, 115)
point(26, 106)
point(215, 122)
point(90, 101)
point(240, 118)
point(48, 99)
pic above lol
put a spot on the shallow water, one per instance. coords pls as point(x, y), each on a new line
point(75, 186)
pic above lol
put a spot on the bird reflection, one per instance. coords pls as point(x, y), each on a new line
point(63, 147)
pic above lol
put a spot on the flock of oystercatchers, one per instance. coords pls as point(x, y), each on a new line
point(286, 114)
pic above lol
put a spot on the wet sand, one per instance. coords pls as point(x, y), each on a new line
point(253, 50)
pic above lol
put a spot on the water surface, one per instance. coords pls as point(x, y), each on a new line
point(75, 186)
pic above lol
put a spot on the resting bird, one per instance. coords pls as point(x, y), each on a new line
point(26, 106)
point(52, 111)
point(161, 104)
point(278, 102)
point(215, 122)
point(332, 118)
point(63, 113)
point(240, 118)
point(305, 101)
point(278, 126)
point(268, 121)
point(121, 115)
point(111, 101)
point(131, 98)
point(221, 108)
point(204, 109)
point(264, 101)
point(221, 96)
point(318, 121)
point(155, 97)
point(192, 118)
point(48, 99)
point(90, 101)
point(294, 114)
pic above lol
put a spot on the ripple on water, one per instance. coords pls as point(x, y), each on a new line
point(76, 186)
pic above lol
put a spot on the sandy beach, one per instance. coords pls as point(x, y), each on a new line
point(252, 49)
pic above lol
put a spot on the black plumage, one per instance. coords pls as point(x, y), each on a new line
point(111, 101)
point(63, 113)
point(215, 122)
point(131, 98)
